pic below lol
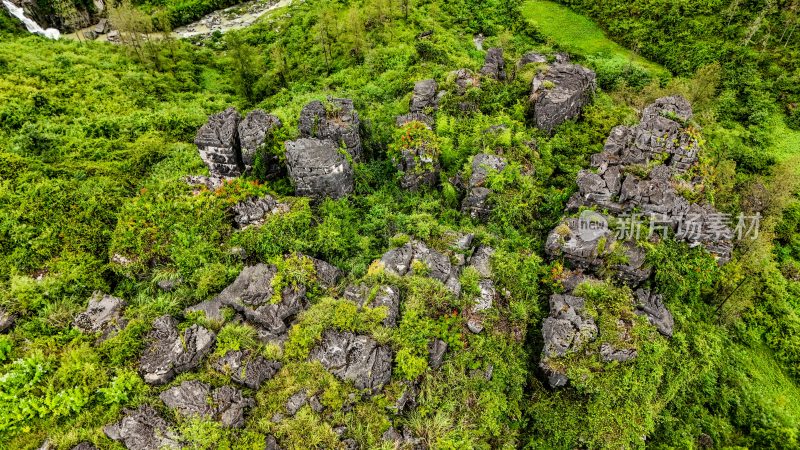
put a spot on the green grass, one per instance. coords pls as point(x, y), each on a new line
point(787, 141)
point(578, 34)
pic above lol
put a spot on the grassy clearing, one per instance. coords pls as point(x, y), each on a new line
point(579, 34)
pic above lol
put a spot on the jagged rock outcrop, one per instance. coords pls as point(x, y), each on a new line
point(254, 130)
point(254, 211)
point(651, 305)
point(143, 429)
point(418, 159)
point(200, 181)
point(355, 358)
point(422, 118)
point(212, 309)
point(476, 203)
point(436, 350)
point(170, 353)
point(246, 368)
point(327, 275)
point(194, 398)
point(388, 296)
point(464, 79)
point(400, 261)
point(218, 144)
point(404, 439)
point(565, 330)
point(339, 124)
point(104, 314)
point(559, 93)
point(318, 169)
point(253, 295)
point(494, 65)
point(424, 97)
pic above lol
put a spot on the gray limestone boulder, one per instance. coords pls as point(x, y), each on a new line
point(326, 273)
point(609, 353)
point(296, 401)
point(104, 314)
point(651, 305)
point(218, 144)
point(339, 124)
point(476, 203)
point(567, 329)
point(254, 131)
point(436, 350)
point(246, 368)
point(464, 80)
point(531, 58)
point(317, 169)
point(424, 98)
point(6, 320)
point(143, 429)
point(253, 295)
point(560, 93)
point(494, 65)
point(169, 353)
point(356, 358)
point(399, 261)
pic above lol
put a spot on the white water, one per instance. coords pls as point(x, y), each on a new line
point(32, 26)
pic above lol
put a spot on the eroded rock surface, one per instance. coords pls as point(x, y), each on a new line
point(143, 429)
point(559, 93)
point(170, 353)
point(436, 350)
point(356, 358)
point(6, 320)
point(218, 143)
point(246, 368)
point(254, 132)
point(418, 162)
point(318, 169)
point(104, 314)
point(476, 203)
point(388, 296)
point(494, 65)
point(254, 211)
point(652, 306)
point(339, 124)
point(399, 261)
point(565, 330)
point(194, 398)
point(424, 98)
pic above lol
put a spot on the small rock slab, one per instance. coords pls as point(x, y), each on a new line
point(560, 93)
point(388, 296)
point(218, 144)
point(476, 203)
point(253, 133)
point(169, 353)
point(246, 368)
point(357, 358)
point(143, 429)
point(194, 398)
point(565, 330)
point(104, 314)
point(651, 305)
point(494, 66)
point(254, 211)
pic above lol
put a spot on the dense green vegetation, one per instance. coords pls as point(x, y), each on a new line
point(95, 140)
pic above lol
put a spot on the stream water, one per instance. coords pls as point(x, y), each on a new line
point(30, 24)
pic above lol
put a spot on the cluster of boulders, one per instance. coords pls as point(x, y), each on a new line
point(635, 173)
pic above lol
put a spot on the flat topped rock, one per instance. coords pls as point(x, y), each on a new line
point(339, 124)
point(218, 144)
point(254, 131)
point(170, 353)
point(560, 93)
point(104, 313)
point(318, 169)
point(355, 358)
point(194, 398)
point(143, 429)
point(246, 368)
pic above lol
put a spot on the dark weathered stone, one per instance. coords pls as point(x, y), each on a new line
point(560, 93)
point(6, 320)
point(356, 358)
point(567, 329)
point(254, 211)
point(270, 443)
point(481, 261)
point(169, 353)
point(253, 295)
point(476, 203)
point(169, 285)
point(436, 350)
point(531, 58)
point(494, 66)
point(408, 399)
point(212, 309)
point(418, 163)
point(84, 446)
point(200, 181)
point(652, 306)
point(608, 353)
point(246, 368)
point(387, 296)
point(340, 124)
point(197, 399)
point(318, 169)
point(425, 119)
point(296, 401)
point(218, 143)
point(104, 314)
point(327, 274)
point(254, 131)
point(143, 429)
point(464, 80)
point(424, 98)
point(399, 261)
